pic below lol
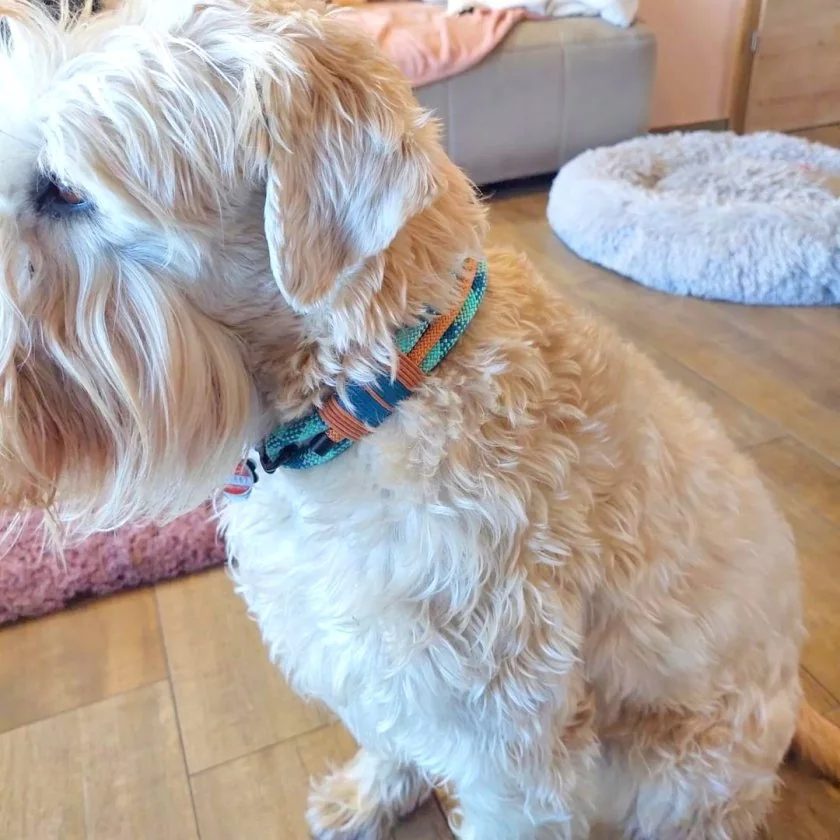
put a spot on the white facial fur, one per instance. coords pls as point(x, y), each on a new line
point(234, 186)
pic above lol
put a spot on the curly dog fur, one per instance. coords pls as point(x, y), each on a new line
point(549, 579)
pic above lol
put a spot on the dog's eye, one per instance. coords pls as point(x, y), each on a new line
point(54, 198)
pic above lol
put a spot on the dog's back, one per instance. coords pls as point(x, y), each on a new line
point(661, 536)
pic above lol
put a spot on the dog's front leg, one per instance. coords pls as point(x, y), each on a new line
point(363, 799)
point(530, 777)
point(505, 808)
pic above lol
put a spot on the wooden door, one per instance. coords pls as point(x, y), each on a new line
point(795, 79)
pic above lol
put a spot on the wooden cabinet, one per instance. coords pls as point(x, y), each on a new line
point(794, 81)
point(696, 48)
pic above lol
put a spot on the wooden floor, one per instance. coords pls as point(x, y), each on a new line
point(156, 715)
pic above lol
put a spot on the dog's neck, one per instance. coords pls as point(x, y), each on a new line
point(353, 335)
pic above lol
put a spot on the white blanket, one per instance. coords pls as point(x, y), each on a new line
point(617, 12)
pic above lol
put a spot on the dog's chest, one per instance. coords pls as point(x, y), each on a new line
point(341, 577)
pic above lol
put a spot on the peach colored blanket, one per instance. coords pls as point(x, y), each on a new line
point(427, 44)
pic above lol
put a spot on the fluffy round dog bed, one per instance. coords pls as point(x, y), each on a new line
point(753, 219)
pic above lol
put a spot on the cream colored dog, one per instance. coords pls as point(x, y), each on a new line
point(548, 579)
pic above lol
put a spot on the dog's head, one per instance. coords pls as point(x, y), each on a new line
point(189, 195)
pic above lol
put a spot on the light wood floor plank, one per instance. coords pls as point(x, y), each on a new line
point(136, 784)
point(261, 795)
point(787, 341)
point(818, 695)
point(108, 771)
point(78, 656)
point(41, 782)
point(324, 749)
point(231, 700)
point(803, 473)
point(825, 320)
point(808, 807)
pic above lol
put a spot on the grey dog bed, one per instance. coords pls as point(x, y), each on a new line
point(753, 219)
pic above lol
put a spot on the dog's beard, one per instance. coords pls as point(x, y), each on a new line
point(247, 153)
point(121, 401)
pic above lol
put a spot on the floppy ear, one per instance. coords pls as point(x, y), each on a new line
point(347, 158)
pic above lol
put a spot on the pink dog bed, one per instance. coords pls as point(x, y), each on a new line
point(35, 582)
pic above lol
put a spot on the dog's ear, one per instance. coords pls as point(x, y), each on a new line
point(347, 156)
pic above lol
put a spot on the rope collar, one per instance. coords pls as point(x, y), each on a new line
point(324, 434)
